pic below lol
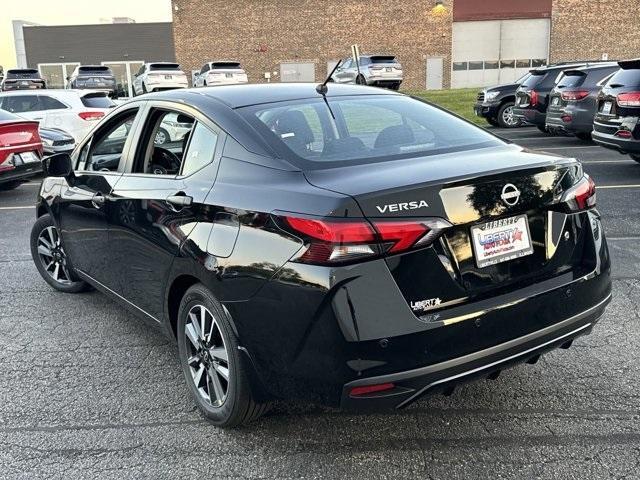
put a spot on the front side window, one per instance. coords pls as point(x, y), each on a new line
point(362, 129)
point(21, 103)
point(105, 148)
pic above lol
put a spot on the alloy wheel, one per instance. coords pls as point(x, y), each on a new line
point(508, 118)
point(207, 355)
point(52, 255)
point(161, 138)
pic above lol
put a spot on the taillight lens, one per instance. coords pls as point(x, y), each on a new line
point(329, 241)
point(629, 99)
point(91, 116)
point(574, 95)
point(582, 195)
point(533, 98)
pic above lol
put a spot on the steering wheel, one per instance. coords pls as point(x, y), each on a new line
point(164, 162)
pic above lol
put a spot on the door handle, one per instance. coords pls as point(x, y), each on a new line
point(98, 200)
point(180, 200)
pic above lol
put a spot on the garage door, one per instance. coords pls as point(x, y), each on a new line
point(497, 51)
point(297, 72)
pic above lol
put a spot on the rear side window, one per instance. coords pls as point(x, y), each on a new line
point(626, 78)
point(201, 149)
point(366, 129)
point(21, 103)
point(97, 101)
point(50, 103)
point(533, 80)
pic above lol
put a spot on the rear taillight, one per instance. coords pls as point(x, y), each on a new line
point(7, 163)
point(91, 116)
point(629, 99)
point(533, 98)
point(582, 195)
point(574, 95)
point(331, 241)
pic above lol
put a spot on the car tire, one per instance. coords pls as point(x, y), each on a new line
point(584, 136)
point(635, 157)
point(50, 258)
point(360, 80)
point(9, 185)
point(223, 403)
point(492, 121)
point(542, 128)
point(162, 137)
point(505, 116)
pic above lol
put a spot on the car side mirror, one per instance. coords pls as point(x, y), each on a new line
point(59, 165)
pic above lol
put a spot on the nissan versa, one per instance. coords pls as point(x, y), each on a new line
point(339, 244)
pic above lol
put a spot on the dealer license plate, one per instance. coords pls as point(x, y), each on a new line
point(501, 240)
point(29, 157)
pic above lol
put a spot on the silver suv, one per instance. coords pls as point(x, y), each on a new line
point(376, 70)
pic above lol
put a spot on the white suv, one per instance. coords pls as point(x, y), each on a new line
point(74, 111)
point(221, 73)
point(153, 77)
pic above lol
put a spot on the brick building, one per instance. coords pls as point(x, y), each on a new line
point(464, 43)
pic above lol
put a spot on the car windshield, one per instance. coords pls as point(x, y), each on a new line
point(366, 128)
point(534, 79)
point(97, 101)
point(626, 78)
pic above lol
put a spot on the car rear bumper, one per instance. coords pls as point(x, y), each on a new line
point(410, 385)
point(623, 145)
point(569, 120)
point(21, 173)
point(530, 115)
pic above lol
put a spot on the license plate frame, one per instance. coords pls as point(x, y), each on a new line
point(168, 77)
point(555, 101)
point(501, 240)
point(606, 108)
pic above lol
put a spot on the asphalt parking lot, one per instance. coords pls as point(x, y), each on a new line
point(89, 391)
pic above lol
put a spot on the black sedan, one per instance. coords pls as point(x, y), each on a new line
point(353, 247)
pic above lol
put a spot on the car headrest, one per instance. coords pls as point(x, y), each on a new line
point(182, 118)
point(292, 124)
point(394, 135)
point(349, 146)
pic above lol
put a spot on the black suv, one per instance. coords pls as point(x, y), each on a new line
point(572, 103)
point(615, 124)
point(22, 79)
point(495, 104)
point(94, 77)
point(533, 95)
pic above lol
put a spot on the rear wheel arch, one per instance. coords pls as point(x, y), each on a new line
point(41, 210)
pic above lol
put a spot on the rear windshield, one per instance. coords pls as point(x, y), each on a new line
point(97, 101)
point(95, 69)
point(571, 79)
point(23, 73)
point(626, 78)
point(383, 59)
point(225, 65)
point(366, 129)
point(534, 79)
point(164, 66)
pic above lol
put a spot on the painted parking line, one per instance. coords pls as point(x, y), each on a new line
point(569, 146)
point(18, 208)
point(601, 187)
point(607, 161)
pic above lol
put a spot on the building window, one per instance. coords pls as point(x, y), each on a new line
point(458, 66)
point(538, 62)
point(478, 65)
point(490, 64)
point(507, 63)
point(523, 63)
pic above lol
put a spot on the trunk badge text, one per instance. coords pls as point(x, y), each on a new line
point(510, 194)
point(397, 207)
point(423, 305)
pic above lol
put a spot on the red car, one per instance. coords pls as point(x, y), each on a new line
point(20, 150)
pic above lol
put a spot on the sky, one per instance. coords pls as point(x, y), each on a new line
point(73, 12)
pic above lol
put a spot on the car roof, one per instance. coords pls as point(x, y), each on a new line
point(593, 66)
point(56, 92)
point(237, 96)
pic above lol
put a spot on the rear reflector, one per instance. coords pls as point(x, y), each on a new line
point(329, 241)
point(566, 118)
point(533, 96)
point(91, 116)
point(629, 99)
point(574, 95)
point(356, 391)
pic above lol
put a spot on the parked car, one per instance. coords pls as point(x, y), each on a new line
point(22, 79)
point(375, 70)
point(172, 129)
point(495, 104)
point(356, 248)
point(74, 111)
point(532, 96)
point(221, 73)
point(617, 119)
point(572, 102)
point(20, 150)
point(93, 77)
point(157, 76)
point(55, 140)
